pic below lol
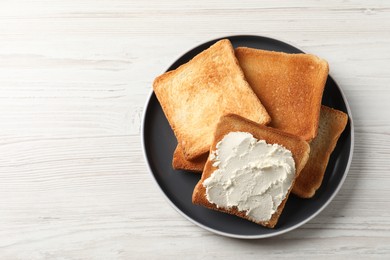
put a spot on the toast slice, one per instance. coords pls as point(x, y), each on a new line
point(195, 95)
point(290, 86)
point(279, 80)
point(332, 124)
point(232, 123)
point(179, 161)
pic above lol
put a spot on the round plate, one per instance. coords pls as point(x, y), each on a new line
point(159, 143)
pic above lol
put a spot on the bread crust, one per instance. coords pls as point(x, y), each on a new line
point(290, 86)
point(179, 161)
point(231, 123)
point(195, 95)
point(332, 124)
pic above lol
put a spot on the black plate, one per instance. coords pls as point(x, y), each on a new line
point(159, 143)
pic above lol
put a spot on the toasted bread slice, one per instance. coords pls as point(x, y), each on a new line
point(290, 86)
point(179, 161)
point(195, 95)
point(232, 123)
point(332, 124)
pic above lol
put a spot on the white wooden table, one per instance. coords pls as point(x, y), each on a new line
point(74, 77)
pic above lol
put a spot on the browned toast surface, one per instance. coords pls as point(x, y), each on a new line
point(232, 123)
point(179, 161)
point(290, 86)
point(332, 124)
point(195, 95)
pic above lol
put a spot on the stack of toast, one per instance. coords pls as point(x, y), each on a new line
point(272, 95)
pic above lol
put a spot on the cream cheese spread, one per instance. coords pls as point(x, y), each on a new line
point(252, 175)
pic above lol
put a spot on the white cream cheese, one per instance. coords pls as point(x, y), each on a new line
point(252, 175)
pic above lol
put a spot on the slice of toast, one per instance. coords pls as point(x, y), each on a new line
point(195, 95)
point(179, 161)
point(332, 124)
point(290, 86)
point(232, 123)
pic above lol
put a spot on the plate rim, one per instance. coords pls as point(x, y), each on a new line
point(226, 234)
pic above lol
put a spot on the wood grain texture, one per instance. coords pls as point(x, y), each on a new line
point(74, 77)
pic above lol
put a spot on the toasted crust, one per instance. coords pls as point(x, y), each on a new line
point(195, 95)
point(230, 123)
point(290, 86)
point(332, 124)
point(179, 161)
